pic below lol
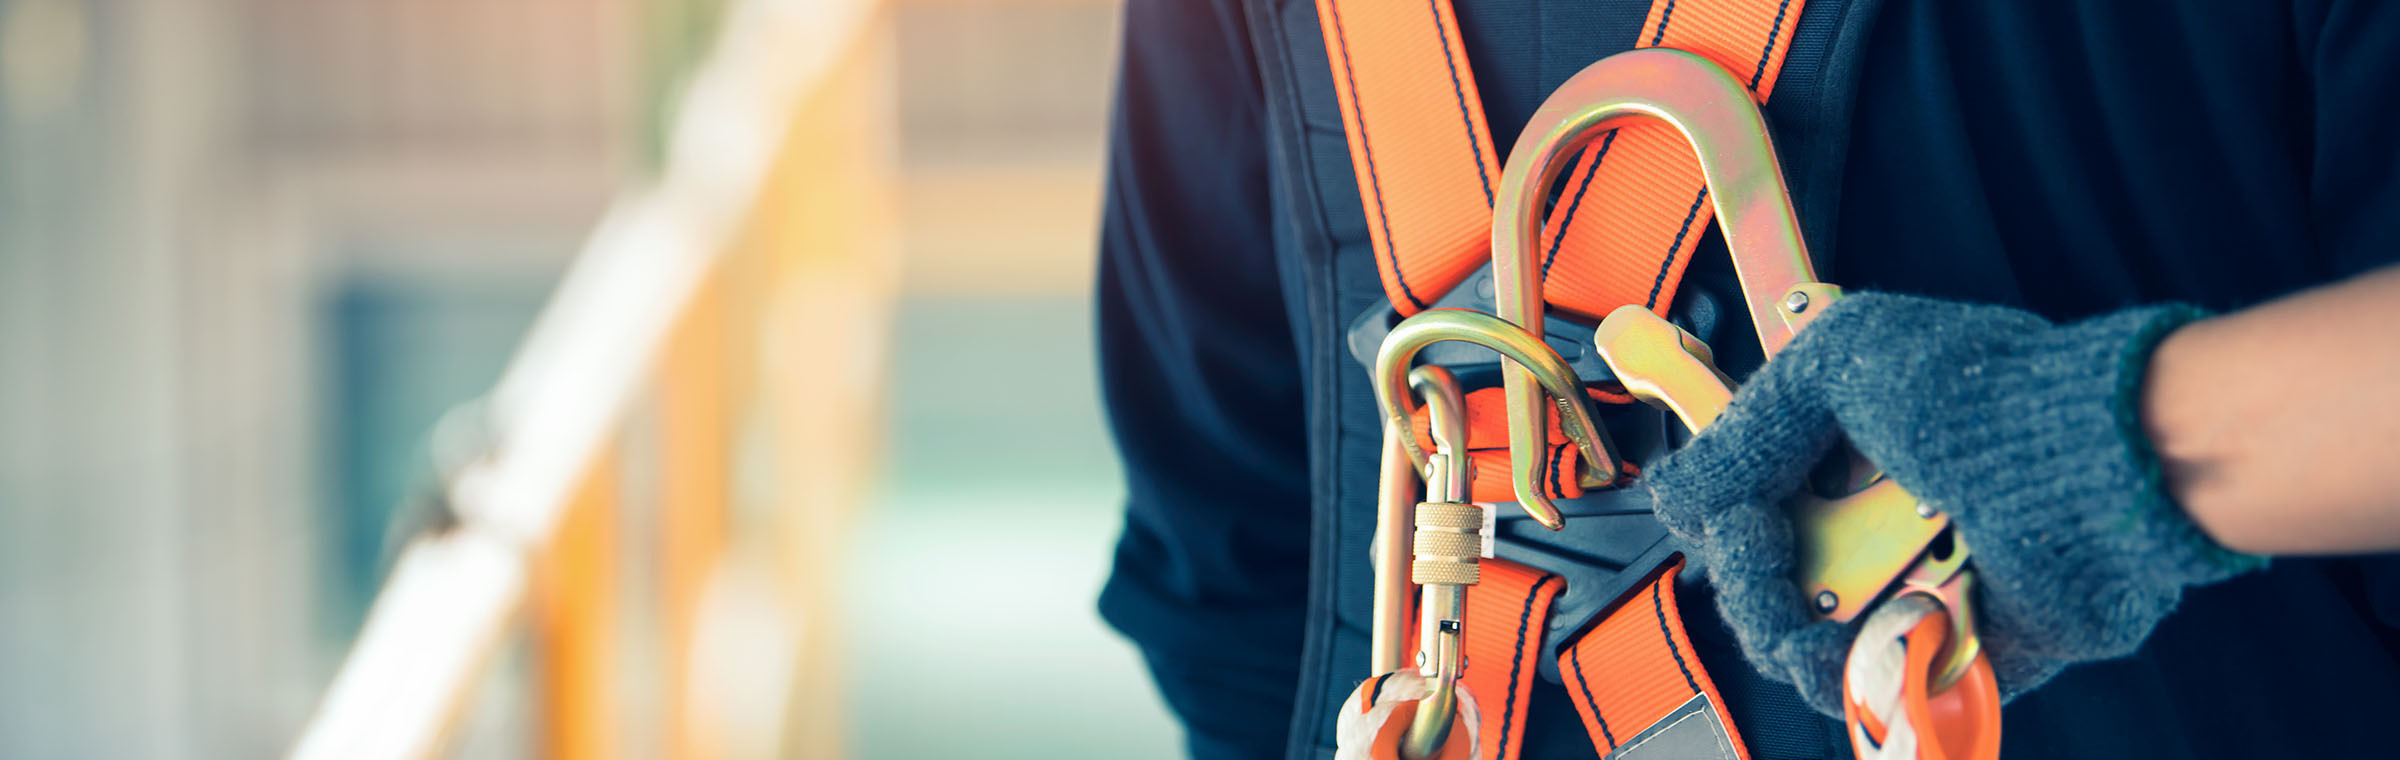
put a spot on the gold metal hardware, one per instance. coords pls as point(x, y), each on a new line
point(1442, 612)
point(1526, 351)
point(1715, 113)
point(1402, 540)
point(1851, 549)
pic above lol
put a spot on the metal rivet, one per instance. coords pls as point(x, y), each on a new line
point(1925, 510)
point(1796, 302)
point(1826, 601)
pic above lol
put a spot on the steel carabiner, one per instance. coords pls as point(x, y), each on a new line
point(1442, 566)
point(1445, 479)
point(1447, 534)
point(1530, 356)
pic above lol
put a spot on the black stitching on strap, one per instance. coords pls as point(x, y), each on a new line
point(1558, 461)
point(1575, 659)
point(1516, 666)
point(1459, 91)
point(1569, 220)
point(1374, 182)
point(1664, 15)
point(1661, 609)
point(1772, 33)
point(1675, 248)
point(1376, 694)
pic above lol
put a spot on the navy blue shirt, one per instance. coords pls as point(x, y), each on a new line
point(2067, 158)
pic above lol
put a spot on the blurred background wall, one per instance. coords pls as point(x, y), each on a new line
point(252, 250)
point(978, 565)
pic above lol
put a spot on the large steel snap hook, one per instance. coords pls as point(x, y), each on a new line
point(1745, 184)
point(1875, 544)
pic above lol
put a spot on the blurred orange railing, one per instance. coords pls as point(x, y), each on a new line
point(663, 470)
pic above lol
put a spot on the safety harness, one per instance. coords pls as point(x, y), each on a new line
point(1617, 238)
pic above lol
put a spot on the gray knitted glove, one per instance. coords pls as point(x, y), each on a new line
point(2026, 433)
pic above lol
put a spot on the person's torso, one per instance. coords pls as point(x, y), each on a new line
point(2066, 158)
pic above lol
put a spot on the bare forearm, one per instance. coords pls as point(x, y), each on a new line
point(2279, 425)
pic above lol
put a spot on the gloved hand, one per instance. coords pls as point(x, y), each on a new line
point(2026, 433)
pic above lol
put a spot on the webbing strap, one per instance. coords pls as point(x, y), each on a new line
point(1418, 141)
point(1638, 204)
point(1622, 233)
point(1624, 230)
point(1632, 669)
point(1637, 666)
point(1502, 637)
point(1487, 447)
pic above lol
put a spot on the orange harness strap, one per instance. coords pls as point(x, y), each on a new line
point(1638, 204)
point(1418, 142)
point(1502, 638)
point(1622, 233)
point(1637, 666)
point(1426, 167)
point(1631, 670)
point(1487, 447)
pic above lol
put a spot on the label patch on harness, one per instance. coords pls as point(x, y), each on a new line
point(1491, 526)
point(1691, 731)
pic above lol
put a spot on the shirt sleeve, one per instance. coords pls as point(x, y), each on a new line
point(2350, 50)
point(1201, 382)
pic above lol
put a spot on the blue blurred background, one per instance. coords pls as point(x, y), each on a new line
point(251, 251)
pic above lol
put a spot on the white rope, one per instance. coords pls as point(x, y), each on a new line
point(1354, 733)
point(1877, 671)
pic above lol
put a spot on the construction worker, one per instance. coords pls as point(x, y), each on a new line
point(2124, 322)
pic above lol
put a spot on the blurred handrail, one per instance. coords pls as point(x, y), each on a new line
point(453, 597)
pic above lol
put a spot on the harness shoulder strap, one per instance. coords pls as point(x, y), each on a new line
point(1638, 204)
point(1425, 166)
point(1418, 141)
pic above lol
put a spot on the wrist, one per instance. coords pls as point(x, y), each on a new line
point(2172, 445)
point(2042, 445)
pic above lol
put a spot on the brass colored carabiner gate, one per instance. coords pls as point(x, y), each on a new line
point(1443, 605)
point(1438, 549)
